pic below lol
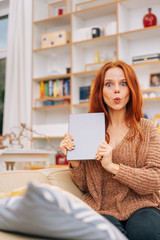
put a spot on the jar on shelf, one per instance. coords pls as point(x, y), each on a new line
point(149, 19)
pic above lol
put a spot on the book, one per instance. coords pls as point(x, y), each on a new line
point(84, 93)
point(88, 131)
point(41, 89)
point(46, 89)
point(50, 88)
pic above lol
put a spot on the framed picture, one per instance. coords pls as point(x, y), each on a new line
point(154, 80)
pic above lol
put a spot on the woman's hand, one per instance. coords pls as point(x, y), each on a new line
point(104, 155)
point(67, 143)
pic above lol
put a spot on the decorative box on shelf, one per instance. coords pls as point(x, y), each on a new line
point(55, 38)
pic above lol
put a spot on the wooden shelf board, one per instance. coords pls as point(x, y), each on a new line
point(52, 77)
point(51, 137)
point(151, 89)
point(53, 106)
point(103, 40)
point(81, 104)
point(151, 99)
point(52, 22)
point(148, 32)
point(52, 47)
point(54, 51)
point(97, 11)
point(88, 73)
point(39, 166)
point(145, 63)
point(53, 98)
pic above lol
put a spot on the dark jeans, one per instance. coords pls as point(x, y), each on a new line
point(143, 224)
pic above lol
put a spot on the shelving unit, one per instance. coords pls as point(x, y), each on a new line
point(122, 37)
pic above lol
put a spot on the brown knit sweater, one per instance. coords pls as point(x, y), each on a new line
point(136, 184)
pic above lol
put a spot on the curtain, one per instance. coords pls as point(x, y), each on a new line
point(17, 105)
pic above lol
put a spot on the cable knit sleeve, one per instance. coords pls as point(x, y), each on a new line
point(144, 180)
point(78, 175)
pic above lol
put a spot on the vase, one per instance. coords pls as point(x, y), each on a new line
point(149, 19)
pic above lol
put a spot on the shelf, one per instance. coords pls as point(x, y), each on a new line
point(86, 73)
point(53, 22)
point(52, 98)
point(151, 99)
point(97, 11)
point(90, 43)
point(39, 166)
point(151, 89)
point(143, 33)
point(52, 107)
point(145, 63)
point(53, 51)
point(52, 77)
point(81, 104)
point(137, 3)
point(53, 137)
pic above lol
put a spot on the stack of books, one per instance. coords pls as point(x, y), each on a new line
point(55, 88)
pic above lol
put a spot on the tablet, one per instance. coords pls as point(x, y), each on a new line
point(88, 131)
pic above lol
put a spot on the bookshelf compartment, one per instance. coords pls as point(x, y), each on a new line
point(131, 14)
point(131, 48)
point(102, 18)
point(51, 62)
point(93, 52)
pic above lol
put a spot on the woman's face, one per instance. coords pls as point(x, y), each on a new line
point(116, 92)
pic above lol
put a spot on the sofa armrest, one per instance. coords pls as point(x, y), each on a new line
point(61, 177)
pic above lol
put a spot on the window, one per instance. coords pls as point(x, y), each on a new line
point(3, 31)
point(2, 88)
point(3, 53)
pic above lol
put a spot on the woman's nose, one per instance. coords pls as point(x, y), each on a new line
point(116, 88)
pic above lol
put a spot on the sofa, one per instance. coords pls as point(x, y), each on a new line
point(10, 180)
point(46, 204)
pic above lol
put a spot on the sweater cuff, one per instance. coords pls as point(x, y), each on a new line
point(123, 174)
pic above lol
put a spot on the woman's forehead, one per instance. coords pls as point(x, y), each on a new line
point(114, 73)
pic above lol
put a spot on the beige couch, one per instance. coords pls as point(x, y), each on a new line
point(10, 180)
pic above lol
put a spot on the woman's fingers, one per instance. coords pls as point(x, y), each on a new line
point(68, 142)
point(103, 149)
point(98, 156)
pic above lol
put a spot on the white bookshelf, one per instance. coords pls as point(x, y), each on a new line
point(124, 38)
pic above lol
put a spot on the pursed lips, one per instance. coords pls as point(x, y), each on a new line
point(117, 99)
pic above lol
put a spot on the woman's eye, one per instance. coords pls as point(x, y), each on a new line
point(108, 84)
point(124, 84)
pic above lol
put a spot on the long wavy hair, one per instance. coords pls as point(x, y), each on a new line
point(134, 105)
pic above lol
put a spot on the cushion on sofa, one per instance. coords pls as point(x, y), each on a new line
point(16, 192)
point(49, 211)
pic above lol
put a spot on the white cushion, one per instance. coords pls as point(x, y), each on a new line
point(51, 212)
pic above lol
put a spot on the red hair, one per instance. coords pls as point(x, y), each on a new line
point(134, 105)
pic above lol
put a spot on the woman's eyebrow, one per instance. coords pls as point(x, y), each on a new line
point(109, 79)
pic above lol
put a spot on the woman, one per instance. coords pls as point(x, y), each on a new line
point(123, 184)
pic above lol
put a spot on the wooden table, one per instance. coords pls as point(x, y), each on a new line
point(10, 156)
